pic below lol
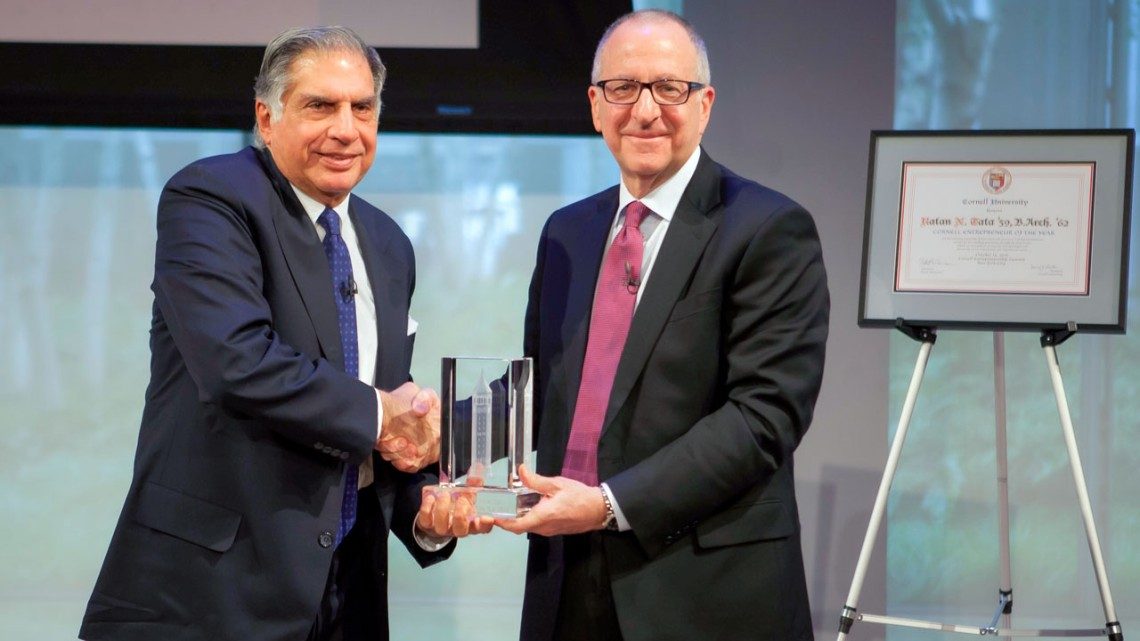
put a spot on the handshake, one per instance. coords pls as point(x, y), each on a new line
point(409, 436)
point(409, 440)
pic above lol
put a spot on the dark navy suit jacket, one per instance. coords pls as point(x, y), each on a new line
point(250, 419)
point(714, 390)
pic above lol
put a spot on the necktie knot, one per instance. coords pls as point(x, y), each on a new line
point(635, 214)
point(330, 220)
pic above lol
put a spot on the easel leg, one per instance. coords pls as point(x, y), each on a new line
point(1112, 624)
point(848, 615)
point(1005, 592)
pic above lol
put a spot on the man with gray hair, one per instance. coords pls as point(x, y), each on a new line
point(281, 437)
point(678, 322)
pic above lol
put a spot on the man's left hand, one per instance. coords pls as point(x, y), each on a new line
point(450, 512)
point(567, 507)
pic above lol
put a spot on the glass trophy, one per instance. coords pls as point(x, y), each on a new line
point(487, 431)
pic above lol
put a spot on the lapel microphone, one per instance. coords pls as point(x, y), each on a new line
point(632, 282)
point(348, 288)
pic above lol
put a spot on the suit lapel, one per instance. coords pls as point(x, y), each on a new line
point(585, 248)
point(388, 294)
point(682, 247)
point(308, 265)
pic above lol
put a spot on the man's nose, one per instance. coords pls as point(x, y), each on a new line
point(646, 108)
point(343, 125)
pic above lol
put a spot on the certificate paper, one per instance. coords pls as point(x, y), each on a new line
point(1012, 228)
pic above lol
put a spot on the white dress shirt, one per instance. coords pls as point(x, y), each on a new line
point(366, 337)
point(663, 202)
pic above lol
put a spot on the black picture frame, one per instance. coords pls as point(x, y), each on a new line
point(1100, 307)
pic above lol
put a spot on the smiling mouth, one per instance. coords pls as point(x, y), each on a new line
point(339, 160)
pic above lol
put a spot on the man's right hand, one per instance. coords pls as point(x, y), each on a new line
point(409, 437)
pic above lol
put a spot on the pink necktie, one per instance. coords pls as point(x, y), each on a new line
point(609, 326)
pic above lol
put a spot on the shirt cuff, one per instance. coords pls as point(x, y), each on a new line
point(429, 542)
point(379, 413)
point(623, 525)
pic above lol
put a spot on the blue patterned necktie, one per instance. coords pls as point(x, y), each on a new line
point(344, 288)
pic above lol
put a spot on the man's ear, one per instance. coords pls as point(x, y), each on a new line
point(708, 96)
point(595, 96)
point(264, 121)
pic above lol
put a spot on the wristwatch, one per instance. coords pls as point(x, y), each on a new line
point(609, 523)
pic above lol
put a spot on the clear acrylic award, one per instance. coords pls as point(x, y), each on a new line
point(487, 431)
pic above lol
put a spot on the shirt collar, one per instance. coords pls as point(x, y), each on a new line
point(664, 199)
point(314, 209)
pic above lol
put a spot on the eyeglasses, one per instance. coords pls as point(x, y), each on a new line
point(665, 92)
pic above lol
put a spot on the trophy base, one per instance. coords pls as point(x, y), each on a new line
point(501, 502)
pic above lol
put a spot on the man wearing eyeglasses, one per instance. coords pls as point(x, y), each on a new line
point(678, 321)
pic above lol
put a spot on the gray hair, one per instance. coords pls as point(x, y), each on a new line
point(275, 76)
point(657, 15)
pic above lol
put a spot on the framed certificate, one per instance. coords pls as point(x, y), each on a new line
point(997, 229)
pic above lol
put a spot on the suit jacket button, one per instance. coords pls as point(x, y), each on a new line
point(325, 539)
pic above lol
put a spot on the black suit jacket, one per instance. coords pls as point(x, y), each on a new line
point(249, 420)
point(714, 390)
